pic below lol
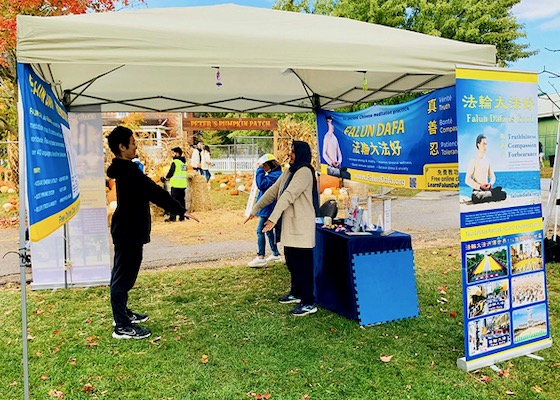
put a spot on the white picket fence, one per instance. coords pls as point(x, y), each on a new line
point(229, 165)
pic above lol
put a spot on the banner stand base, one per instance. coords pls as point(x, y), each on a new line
point(482, 362)
point(60, 285)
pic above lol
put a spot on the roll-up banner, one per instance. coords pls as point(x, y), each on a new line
point(504, 279)
point(53, 196)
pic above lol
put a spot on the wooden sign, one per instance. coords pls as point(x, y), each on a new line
point(231, 124)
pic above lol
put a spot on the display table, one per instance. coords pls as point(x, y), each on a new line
point(369, 278)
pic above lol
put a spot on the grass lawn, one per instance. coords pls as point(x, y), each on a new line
point(219, 333)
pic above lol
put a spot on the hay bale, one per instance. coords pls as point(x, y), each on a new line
point(288, 130)
point(200, 194)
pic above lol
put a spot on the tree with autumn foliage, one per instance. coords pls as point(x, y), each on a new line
point(9, 10)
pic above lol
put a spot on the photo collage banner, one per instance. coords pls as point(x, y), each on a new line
point(503, 269)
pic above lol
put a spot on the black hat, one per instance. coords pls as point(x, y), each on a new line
point(177, 150)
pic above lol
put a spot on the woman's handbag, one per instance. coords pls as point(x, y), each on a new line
point(329, 209)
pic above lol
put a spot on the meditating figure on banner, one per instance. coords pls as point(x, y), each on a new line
point(481, 178)
point(332, 154)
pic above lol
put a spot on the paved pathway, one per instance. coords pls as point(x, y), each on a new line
point(426, 212)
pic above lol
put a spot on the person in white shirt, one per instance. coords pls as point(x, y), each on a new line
point(195, 157)
point(331, 148)
point(480, 176)
point(332, 154)
point(205, 162)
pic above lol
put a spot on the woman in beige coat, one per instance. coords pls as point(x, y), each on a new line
point(297, 203)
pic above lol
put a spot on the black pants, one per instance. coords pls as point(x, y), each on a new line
point(179, 195)
point(494, 194)
point(123, 276)
point(300, 265)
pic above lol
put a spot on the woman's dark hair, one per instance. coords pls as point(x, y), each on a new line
point(302, 153)
point(119, 135)
point(207, 148)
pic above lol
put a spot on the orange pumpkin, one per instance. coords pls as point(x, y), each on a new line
point(112, 195)
point(234, 192)
point(327, 181)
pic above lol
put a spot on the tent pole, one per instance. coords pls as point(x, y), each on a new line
point(316, 102)
point(554, 188)
point(23, 258)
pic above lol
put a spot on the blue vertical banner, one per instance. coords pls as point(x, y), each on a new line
point(51, 178)
point(410, 145)
point(504, 280)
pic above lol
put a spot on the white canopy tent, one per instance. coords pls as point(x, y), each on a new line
point(166, 60)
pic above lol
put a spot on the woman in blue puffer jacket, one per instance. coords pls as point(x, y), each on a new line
point(267, 173)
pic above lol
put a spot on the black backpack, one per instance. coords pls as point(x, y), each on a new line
point(329, 209)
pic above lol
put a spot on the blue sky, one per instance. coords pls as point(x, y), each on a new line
point(541, 19)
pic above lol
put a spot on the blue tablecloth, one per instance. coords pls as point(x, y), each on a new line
point(335, 252)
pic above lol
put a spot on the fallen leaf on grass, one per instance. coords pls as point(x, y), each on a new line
point(204, 359)
point(442, 289)
point(258, 396)
point(155, 340)
point(537, 389)
point(88, 388)
point(504, 373)
point(44, 376)
point(14, 383)
point(90, 341)
point(386, 359)
point(306, 397)
point(452, 314)
point(72, 361)
point(510, 393)
point(57, 394)
point(485, 379)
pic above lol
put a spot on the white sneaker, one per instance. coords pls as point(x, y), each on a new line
point(273, 258)
point(257, 262)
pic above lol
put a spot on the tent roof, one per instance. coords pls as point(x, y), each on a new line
point(269, 60)
point(549, 105)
